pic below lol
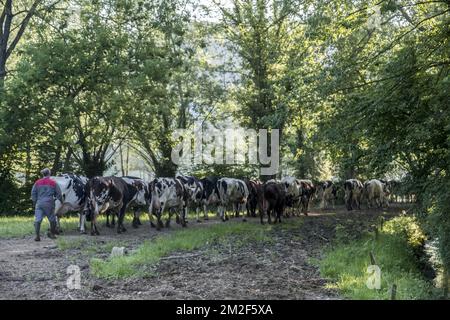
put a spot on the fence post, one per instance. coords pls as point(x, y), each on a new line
point(372, 258)
point(393, 291)
point(381, 222)
point(445, 276)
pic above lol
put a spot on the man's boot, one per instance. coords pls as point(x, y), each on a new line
point(52, 232)
point(37, 229)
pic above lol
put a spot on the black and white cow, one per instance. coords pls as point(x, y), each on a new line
point(107, 193)
point(210, 195)
point(73, 196)
point(194, 190)
point(274, 201)
point(231, 192)
point(170, 194)
point(327, 191)
point(140, 201)
point(293, 192)
point(307, 192)
point(353, 193)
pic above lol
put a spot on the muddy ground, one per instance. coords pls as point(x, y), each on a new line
point(282, 269)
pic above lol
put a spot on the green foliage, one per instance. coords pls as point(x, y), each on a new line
point(346, 263)
point(406, 227)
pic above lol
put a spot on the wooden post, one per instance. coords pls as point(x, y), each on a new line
point(381, 222)
point(393, 291)
point(372, 258)
point(445, 280)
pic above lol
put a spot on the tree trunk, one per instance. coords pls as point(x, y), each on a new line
point(165, 169)
point(2, 74)
point(57, 160)
point(67, 167)
point(121, 161)
point(28, 163)
point(127, 161)
point(94, 168)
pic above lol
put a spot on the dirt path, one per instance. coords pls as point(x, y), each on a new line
point(281, 269)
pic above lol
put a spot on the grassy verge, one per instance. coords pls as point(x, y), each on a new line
point(20, 226)
point(138, 263)
point(395, 253)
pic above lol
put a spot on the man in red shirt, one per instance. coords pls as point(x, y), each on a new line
point(43, 194)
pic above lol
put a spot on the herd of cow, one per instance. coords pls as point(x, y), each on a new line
point(288, 196)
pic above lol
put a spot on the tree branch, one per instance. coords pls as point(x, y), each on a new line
point(23, 26)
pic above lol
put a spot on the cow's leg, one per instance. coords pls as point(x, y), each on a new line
point(138, 214)
point(181, 216)
point(160, 224)
point(171, 211)
point(136, 222)
point(113, 219)
point(150, 217)
point(94, 229)
point(280, 213)
point(121, 216)
point(168, 219)
point(108, 225)
point(299, 210)
point(184, 216)
point(305, 206)
point(277, 217)
point(205, 212)
point(177, 216)
point(82, 223)
point(222, 212)
point(240, 205)
point(58, 225)
point(197, 212)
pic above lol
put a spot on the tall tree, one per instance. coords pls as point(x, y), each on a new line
point(14, 20)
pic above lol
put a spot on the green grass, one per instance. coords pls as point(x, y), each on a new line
point(138, 264)
point(346, 263)
point(20, 226)
point(64, 243)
